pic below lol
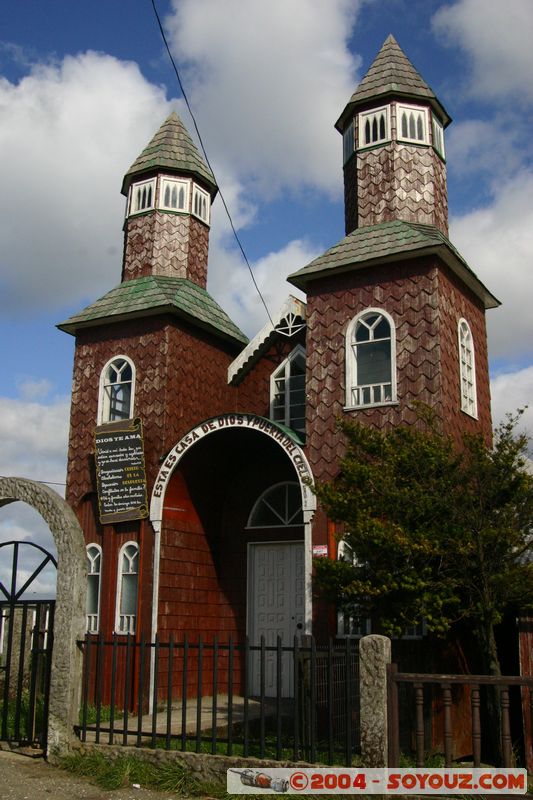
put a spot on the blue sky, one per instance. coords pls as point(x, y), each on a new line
point(83, 86)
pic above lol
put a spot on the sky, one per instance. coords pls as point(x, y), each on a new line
point(84, 86)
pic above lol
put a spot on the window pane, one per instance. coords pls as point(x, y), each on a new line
point(279, 506)
point(362, 332)
point(93, 585)
point(382, 330)
point(128, 597)
point(373, 363)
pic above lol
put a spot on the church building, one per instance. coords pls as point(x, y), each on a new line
point(234, 431)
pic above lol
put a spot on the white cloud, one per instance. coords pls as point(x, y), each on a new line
point(497, 242)
point(34, 439)
point(69, 132)
point(34, 388)
point(34, 445)
point(231, 284)
point(490, 149)
point(511, 391)
point(262, 78)
point(497, 37)
point(20, 522)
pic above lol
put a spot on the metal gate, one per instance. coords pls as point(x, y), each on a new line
point(26, 640)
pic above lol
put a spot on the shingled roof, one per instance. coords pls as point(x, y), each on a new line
point(171, 149)
point(391, 241)
point(392, 74)
point(157, 294)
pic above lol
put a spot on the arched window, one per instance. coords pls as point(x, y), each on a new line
point(127, 588)
point(142, 196)
point(287, 391)
point(467, 369)
point(116, 390)
point(94, 572)
point(374, 127)
point(412, 124)
point(279, 506)
point(174, 194)
point(201, 203)
point(370, 359)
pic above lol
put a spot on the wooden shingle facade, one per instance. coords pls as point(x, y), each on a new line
point(235, 430)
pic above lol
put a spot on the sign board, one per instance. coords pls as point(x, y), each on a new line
point(320, 550)
point(120, 472)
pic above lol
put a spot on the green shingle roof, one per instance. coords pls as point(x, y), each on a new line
point(171, 149)
point(157, 294)
point(391, 73)
point(390, 241)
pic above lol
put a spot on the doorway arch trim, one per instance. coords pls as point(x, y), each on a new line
point(286, 439)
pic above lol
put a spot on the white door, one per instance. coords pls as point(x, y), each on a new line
point(275, 608)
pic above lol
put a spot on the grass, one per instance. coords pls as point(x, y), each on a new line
point(116, 773)
point(128, 769)
point(24, 712)
point(105, 714)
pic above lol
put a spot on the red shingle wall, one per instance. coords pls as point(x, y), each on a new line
point(181, 379)
point(163, 243)
point(426, 301)
point(252, 394)
point(189, 597)
point(395, 180)
point(456, 301)
point(409, 292)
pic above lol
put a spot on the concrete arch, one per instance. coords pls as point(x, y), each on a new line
point(69, 626)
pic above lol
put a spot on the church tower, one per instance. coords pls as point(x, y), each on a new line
point(393, 146)
point(396, 317)
point(169, 190)
point(151, 354)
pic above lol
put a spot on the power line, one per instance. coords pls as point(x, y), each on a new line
point(47, 483)
point(207, 160)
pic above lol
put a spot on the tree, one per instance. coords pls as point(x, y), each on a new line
point(439, 533)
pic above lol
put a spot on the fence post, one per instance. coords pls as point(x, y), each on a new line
point(374, 656)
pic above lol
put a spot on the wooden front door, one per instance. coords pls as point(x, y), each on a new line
point(275, 608)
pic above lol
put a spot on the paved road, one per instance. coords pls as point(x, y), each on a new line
point(23, 778)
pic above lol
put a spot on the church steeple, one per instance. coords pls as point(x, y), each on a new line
point(394, 159)
point(169, 189)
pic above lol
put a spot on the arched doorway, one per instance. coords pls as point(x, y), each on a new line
point(65, 684)
point(201, 505)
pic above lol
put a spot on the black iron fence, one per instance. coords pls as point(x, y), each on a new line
point(298, 702)
point(467, 717)
point(26, 640)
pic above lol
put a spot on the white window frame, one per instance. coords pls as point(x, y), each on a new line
point(418, 110)
point(467, 369)
point(126, 623)
point(197, 191)
point(284, 371)
point(284, 521)
point(103, 398)
point(345, 628)
point(179, 183)
point(438, 136)
point(370, 116)
point(138, 187)
point(92, 619)
point(351, 364)
point(348, 142)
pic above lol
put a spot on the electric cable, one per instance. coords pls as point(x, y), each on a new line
point(48, 483)
point(207, 160)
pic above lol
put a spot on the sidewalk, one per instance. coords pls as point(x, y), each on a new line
point(23, 778)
